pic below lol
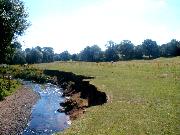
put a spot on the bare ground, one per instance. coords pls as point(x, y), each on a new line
point(15, 110)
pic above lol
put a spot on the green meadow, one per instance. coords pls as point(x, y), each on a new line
point(143, 97)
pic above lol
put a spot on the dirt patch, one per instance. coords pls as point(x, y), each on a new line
point(15, 111)
point(81, 93)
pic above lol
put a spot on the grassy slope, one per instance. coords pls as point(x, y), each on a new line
point(144, 97)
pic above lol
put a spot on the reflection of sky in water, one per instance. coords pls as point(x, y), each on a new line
point(45, 120)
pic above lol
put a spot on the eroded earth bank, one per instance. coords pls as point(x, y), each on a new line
point(79, 93)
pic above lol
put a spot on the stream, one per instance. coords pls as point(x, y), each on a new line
point(45, 119)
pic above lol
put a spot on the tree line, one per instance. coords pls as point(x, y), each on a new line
point(125, 50)
point(13, 23)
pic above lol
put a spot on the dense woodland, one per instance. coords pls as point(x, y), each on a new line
point(13, 23)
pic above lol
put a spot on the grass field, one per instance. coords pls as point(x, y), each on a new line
point(144, 97)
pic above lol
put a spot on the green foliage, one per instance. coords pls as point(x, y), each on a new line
point(64, 56)
point(170, 49)
point(111, 53)
point(150, 48)
point(75, 57)
point(34, 56)
point(39, 55)
point(48, 54)
point(91, 54)
point(4, 87)
point(138, 52)
point(29, 73)
point(19, 57)
point(7, 86)
point(13, 22)
point(126, 50)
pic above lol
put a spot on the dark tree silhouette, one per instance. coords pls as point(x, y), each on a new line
point(64, 56)
point(92, 54)
point(13, 22)
point(48, 54)
point(150, 48)
point(111, 53)
point(126, 49)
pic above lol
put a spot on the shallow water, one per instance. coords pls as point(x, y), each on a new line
point(45, 120)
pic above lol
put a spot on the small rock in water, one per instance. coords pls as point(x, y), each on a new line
point(61, 110)
point(69, 122)
point(67, 97)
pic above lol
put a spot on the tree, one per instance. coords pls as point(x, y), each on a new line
point(170, 49)
point(85, 54)
point(12, 49)
point(126, 49)
point(19, 57)
point(13, 22)
point(178, 49)
point(91, 54)
point(56, 57)
point(75, 57)
point(173, 47)
point(150, 48)
point(111, 53)
point(138, 52)
point(38, 48)
point(97, 53)
point(36, 56)
point(48, 54)
point(33, 55)
point(65, 56)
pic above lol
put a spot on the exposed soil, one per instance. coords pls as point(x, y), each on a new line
point(81, 93)
point(15, 111)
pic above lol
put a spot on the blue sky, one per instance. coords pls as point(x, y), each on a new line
point(73, 24)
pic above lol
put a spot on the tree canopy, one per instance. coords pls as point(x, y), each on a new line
point(13, 23)
point(125, 50)
point(111, 53)
point(150, 48)
point(92, 53)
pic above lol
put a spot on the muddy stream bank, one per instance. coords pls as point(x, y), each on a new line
point(63, 97)
point(81, 93)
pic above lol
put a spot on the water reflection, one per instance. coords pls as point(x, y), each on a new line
point(45, 120)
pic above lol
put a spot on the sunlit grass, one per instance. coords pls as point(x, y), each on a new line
point(144, 97)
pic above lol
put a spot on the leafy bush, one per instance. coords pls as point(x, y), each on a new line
point(29, 73)
point(7, 86)
point(5, 90)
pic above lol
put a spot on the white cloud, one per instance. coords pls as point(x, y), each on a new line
point(111, 20)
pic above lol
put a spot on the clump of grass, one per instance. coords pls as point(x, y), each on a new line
point(7, 85)
point(5, 90)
